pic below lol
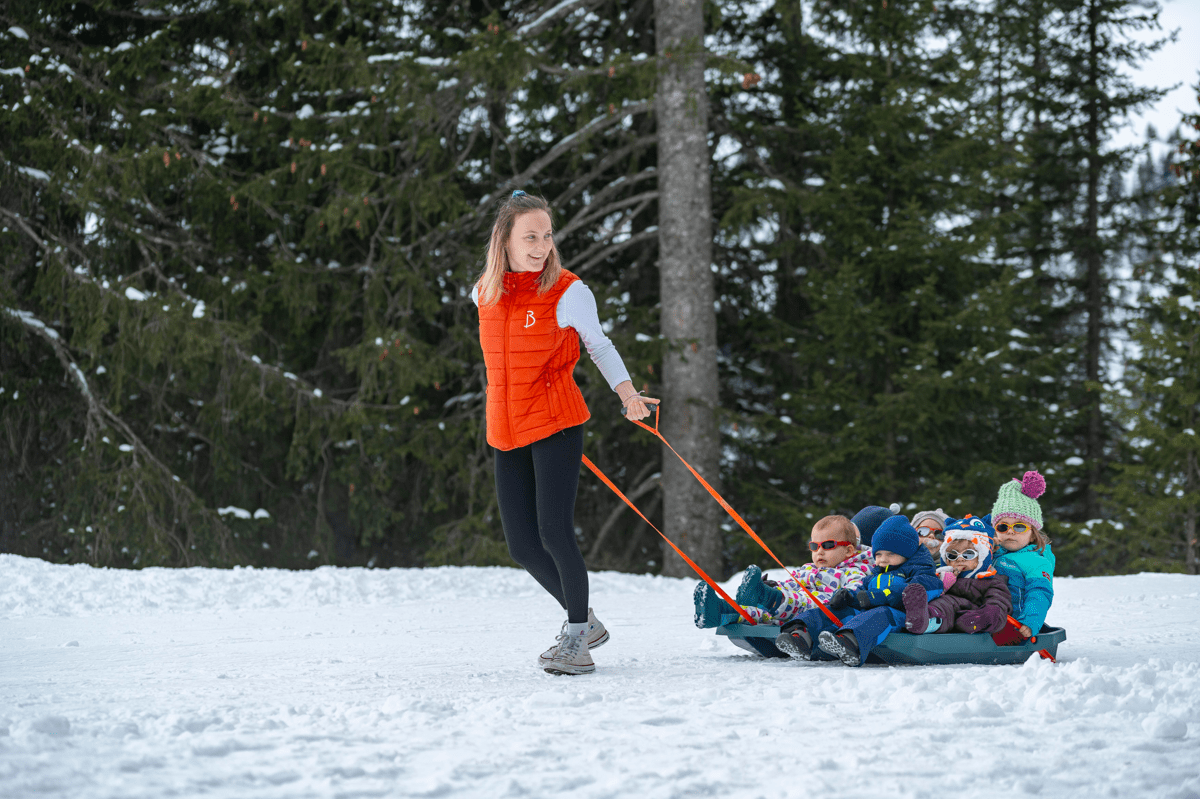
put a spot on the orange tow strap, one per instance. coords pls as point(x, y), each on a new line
point(720, 592)
point(654, 431)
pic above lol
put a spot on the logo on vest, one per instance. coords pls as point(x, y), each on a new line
point(529, 320)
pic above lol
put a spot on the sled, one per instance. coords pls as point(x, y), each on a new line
point(902, 648)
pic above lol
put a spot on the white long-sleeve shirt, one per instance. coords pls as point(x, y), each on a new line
point(577, 308)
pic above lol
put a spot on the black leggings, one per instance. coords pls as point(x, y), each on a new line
point(536, 487)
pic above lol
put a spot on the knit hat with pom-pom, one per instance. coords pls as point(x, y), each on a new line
point(1018, 498)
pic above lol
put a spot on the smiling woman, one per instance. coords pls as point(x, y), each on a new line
point(532, 313)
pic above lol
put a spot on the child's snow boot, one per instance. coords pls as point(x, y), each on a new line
point(842, 645)
point(794, 641)
point(711, 610)
point(916, 609)
point(754, 591)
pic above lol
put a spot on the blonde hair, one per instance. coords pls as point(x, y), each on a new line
point(842, 526)
point(491, 282)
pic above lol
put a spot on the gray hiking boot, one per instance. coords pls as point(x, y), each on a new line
point(571, 656)
point(597, 636)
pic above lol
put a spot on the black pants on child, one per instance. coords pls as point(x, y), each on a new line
point(536, 486)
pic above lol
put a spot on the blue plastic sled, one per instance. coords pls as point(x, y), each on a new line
point(902, 648)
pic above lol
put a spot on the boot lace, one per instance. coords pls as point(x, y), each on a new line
point(568, 645)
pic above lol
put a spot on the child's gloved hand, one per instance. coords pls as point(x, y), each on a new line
point(882, 587)
point(841, 598)
point(989, 618)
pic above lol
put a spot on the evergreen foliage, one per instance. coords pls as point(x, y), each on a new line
point(237, 245)
point(1157, 496)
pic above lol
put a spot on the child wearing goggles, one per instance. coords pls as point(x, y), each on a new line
point(1023, 550)
point(976, 598)
point(838, 561)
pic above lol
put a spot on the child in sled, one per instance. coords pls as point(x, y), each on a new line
point(839, 560)
point(874, 611)
point(1023, 552)
point(976, 598)
point(930, 526)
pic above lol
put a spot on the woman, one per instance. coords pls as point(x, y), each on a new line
point(532, 313)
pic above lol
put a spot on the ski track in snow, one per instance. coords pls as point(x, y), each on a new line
point(395, 683)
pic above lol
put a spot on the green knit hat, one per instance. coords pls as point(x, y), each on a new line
point(1019, 498)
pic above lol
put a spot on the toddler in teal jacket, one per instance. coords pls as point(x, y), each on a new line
point(1023, 551)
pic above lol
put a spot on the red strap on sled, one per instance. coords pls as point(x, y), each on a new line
point(654, 431)
point(712, 583)
point(1011, 634)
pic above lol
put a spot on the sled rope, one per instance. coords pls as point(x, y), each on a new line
point(712, 583)
point(734, 514)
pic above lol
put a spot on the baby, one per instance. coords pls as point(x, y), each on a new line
point(976, 598)
point(838, 561)
point(930, 525)
point(874, 611)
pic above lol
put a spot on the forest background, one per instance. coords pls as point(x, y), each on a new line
point(237, 241)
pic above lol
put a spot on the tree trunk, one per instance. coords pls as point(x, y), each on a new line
point(1193, 476)
point(1094, 278)
point(689, 323)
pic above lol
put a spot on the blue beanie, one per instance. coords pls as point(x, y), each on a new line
point(896, 535)
point(868, 520)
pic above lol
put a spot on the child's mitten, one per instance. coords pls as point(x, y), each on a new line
point(948, 577)
point(841, 598)
point(881, 589)
point(989, 618)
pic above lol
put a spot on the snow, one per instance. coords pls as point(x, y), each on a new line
point(36, 174)
point(133, 294)
point(406, 682)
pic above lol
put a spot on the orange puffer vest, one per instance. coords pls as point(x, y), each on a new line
point(531, 392)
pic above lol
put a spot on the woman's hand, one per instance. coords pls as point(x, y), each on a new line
point(638, 407)
point(1025, 631)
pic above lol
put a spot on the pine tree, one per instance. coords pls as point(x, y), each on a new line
point(1157, 490)
point(876, 357)
point(238, 251)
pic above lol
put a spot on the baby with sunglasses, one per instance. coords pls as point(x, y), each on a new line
point(976, 598)
point(930, 526)
point(1023, 552)
point(838, 561)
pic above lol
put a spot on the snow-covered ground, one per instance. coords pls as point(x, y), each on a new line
point(355, 683)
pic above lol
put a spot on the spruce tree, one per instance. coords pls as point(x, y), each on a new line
point(886, 362)
point(1156, 494)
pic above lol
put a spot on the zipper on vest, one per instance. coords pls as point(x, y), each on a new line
point(508, 373)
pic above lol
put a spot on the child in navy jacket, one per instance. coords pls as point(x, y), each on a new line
point(874, 611)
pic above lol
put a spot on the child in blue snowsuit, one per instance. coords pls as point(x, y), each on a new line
point(1023, 550)
point(873, 612)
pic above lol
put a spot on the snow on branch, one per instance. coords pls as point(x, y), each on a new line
point(543, 20)
point(100, 415)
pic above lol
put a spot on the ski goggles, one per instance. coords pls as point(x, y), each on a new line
point(966, 554)
point(815, 545)
point(926, 532)
point(1019, 528)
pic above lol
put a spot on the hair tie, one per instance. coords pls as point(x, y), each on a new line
point(517, 193)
